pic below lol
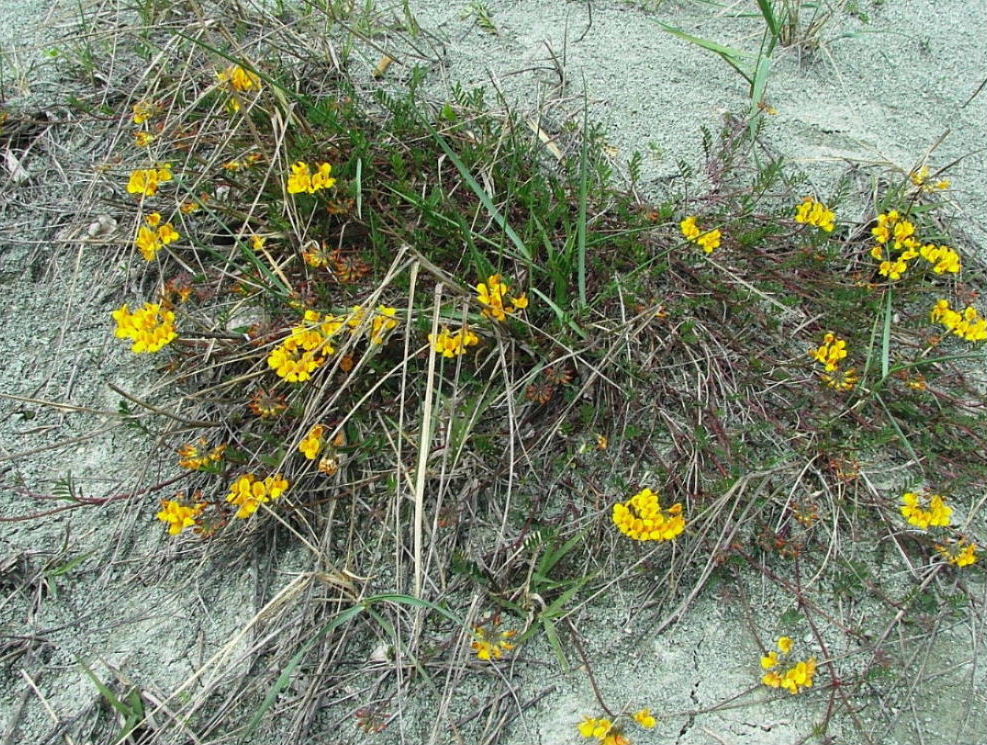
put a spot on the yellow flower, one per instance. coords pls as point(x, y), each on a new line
point(645, 718)
point(257, 242)
point(893, 269)
point(959, 553)
point(841, 380)
point(385, 320)
point(598, 728)
point(240, 79)
point(303, 180)
point(151, 241)
point(248, 493)
point(920, 178)
point(799, 677)
point(178, 515)
point(150, 327)
point(709, 240)
point(147, 242)
point(770, 661)
point(890, 225)
point(925, 511)
point(167, 234)
point(830, 353)
point(894, 234)
point(316, 256)
point(313, 443)
point(306, 348)
point(492, 295)
point(642, 518)
point(145, 181)
point(294, 362)
point(968, 325)
point(453, 345)
point(143, 111)
point(356, 317)
point(491, 643)
point(811, 212)
point(196, 456)
point(143, 139)
point(943, 258)
point(793, 679)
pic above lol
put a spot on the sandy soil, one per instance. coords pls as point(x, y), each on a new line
point(884, 85)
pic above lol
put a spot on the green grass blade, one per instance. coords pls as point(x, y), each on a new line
point(394, 597)
point(563, 317)
point(481, 194)
point(553, 555)
point(761, 73)
point(104, 690)
point(768, 11)
point(730, 55)
point(273, 279)
point(132, 711)
point(284, 679)
point(581, 219)
point(289, 670)
point(358, 183)
point(886, 336)
point(552, 634)
point(905, 443)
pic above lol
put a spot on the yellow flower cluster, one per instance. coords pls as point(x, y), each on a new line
point(306, 348)
point(969, 324)
point(143, 111)
point(453, 344)
point(811, 212)
point(150, 327)
point(943, 258)
point(492, 295)
point(709, 240)
point(248, 492)
point(143, 139)
point(303, 180)
point(959, 553)
point(179, 515)
point(145, 181)
point(830, 353)
point(602, 730)
point(897, 245)
point(239, 80)
point(385, 320)
point(608, 732)
point(794, 678)
point(310, 343)
point(920, 178)
point(153, 236)
point(926, 510)
point(312, 444)
point(645, 718)
point(643, 519)
point(196, 456)
point(491, 644)
point(841, 380)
